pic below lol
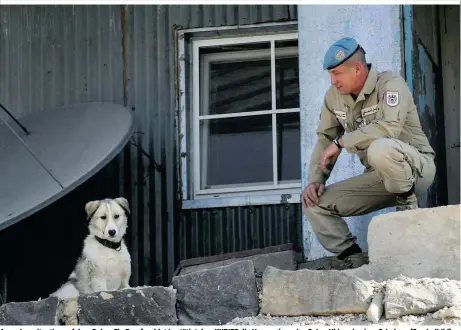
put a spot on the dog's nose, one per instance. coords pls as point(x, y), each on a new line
point(111, 233)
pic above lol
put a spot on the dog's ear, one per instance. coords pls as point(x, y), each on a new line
point(123, 203)
point(91, 207)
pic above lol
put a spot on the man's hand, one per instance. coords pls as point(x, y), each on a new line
point(311, 194)
point(329, 156)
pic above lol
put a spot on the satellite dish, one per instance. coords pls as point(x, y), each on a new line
point(60, 149)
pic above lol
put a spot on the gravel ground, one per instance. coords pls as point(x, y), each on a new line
point(348, 319)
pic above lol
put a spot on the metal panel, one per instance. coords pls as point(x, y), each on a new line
point(59, 55)
point(225, 230)
point(52, 56)
point(158, 242)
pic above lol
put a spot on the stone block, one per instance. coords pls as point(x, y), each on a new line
point(313, 292)
point(418, 243)
point(41, 312)
point(218, 295)
point(133, 306)
point(406, 296)
point(376, 308)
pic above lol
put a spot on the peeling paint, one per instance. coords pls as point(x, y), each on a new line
point(426, 94)
point(284, 198)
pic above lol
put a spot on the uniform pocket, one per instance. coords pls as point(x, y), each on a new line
point(391, 114)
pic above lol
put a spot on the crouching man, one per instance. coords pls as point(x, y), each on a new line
point(373, 115)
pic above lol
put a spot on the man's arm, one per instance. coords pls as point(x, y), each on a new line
point(392, 122)
point(328, 129)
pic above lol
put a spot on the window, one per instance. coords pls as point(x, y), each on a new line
point(243, 136)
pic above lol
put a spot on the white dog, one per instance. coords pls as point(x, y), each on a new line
point(105, 263)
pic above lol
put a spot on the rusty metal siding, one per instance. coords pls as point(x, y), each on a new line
point(58, 55)
point(162, 235)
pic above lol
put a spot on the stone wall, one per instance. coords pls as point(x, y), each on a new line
point(219, 295)
point(404, 277)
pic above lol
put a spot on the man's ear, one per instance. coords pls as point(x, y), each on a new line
point(91, 207)
point(122, 201)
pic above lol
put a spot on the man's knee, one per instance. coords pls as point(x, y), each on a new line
point(311, 211)
point(381, 150)
point(325, 205)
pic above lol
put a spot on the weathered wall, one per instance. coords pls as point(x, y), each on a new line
point(449, 48)
point(52, 56)
point(424, 65)
point(378, 30)
point(59, 55)
point(163, 233)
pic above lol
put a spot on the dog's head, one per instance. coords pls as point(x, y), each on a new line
point(108, 218)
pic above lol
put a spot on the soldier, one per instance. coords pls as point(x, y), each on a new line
point(373, 115)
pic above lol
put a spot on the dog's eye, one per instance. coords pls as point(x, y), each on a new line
point(116, 216)
point(103, 217)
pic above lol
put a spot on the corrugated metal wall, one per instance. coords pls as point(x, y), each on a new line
point(150, 56)
point(57, 55)
point(52, 56)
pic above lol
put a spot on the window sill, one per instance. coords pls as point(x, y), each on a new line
point(274, 199)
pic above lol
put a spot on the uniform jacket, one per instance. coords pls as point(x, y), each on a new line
point(383, 109)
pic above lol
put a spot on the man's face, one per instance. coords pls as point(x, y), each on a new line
point(345, 78)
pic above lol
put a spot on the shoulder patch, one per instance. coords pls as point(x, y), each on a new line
point(392, 98)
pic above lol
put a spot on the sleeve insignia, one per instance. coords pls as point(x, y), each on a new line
point(392, 98)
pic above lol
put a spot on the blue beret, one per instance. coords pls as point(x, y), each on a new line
point(339, 52)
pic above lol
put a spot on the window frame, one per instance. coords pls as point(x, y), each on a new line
point(189, 95)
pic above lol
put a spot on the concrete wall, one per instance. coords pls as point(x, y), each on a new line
point(378, 30)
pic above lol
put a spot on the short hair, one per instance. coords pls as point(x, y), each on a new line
point(359, 56)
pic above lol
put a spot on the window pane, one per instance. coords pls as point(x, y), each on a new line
point(288, 144)
point(236, 151)
point(287, 74)
point(236, 79)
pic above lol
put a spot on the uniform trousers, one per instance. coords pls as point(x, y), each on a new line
point(395, 167)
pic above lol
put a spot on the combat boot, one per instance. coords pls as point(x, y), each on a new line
point(407, 203)
point(356, 260)
point(353, 257)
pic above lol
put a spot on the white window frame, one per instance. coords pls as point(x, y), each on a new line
point(193, 196)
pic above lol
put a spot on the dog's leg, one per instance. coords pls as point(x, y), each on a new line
point(126, 279)
point(125, 283)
